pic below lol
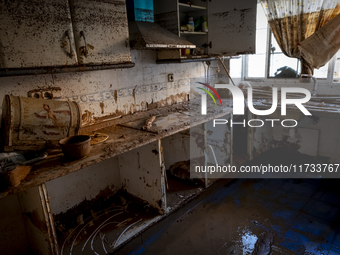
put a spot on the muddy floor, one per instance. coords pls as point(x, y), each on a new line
point(253, 216)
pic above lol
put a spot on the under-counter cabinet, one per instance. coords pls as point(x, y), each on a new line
point(63, 33)
point(231, 25)
point(124, 185)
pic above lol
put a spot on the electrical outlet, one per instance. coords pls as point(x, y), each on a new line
point(170, 77)
point(46, 93)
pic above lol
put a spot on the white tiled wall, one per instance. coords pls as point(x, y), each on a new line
point(90, 89)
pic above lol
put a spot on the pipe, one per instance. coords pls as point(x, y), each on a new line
point(48, 223)
point(315, 82)
point(225, 69)
point(50, 216)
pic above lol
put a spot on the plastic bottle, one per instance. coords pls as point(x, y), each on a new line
point(204, 25)
point(191, 26)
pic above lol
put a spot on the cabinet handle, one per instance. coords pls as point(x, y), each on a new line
point(69, 39)
point(205, 45)
point(82, 34)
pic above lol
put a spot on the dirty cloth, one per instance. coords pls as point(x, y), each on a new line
point(293, 21)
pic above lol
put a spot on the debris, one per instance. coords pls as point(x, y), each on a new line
point(123, 200)
point(116, 243)
point(80, 219)
point(264, 243)
point(148, 123)
point(98, 137)
point(94, 214)
point(87, 118)
point(15, 176)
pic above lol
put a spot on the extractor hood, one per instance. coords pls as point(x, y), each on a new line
point(148, 35)
point(145, 34)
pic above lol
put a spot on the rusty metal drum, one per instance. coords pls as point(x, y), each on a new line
point(31, 124)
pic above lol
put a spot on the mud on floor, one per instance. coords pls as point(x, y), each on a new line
point(97, 227)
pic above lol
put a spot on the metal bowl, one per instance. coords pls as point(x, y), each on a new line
point(76, 147)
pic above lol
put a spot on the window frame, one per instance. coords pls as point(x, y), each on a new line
point(266, 79)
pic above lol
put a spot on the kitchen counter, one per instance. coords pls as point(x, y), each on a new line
point(125, 134)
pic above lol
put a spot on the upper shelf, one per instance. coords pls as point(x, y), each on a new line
point(148, 35)
point(61, 69)
point(190, 8)
point(193, 33)
point(198, 58)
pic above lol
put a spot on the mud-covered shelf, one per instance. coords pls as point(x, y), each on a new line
point(190, 8)
point(193, 33)
point(197, 58)
point(65, 69)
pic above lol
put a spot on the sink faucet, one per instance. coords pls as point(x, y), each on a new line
point(315, 82)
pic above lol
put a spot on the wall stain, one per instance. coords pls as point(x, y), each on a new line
point(102, 107)
point(116, 96)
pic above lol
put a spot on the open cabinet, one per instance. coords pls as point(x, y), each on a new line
point(127, 183)
point(99, 208)
point(231, 26)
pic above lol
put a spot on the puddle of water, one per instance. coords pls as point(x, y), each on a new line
point(247, 241)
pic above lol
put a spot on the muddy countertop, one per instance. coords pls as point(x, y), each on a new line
point(124, 135)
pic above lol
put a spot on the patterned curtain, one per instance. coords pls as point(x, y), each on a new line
point(293, 21)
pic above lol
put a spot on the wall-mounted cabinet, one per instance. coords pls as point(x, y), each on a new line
point(62, 34)
point(36, 34)
point(231, 26)
point(100, 31)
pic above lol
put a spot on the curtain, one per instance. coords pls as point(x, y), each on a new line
point(293, 21)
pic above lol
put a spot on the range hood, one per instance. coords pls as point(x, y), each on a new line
point(145, 34)
point(148, 35)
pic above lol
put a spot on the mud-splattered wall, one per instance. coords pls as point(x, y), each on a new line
point(315, 135)
point(122, 91)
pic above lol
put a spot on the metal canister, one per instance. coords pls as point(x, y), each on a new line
point(31, 124)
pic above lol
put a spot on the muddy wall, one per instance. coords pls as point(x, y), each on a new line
point(315, 135)
point(122, 91)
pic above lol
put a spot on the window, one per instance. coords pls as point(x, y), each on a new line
point(270, 62)
point(281, 66)
point(256, 64)
point(336, 77)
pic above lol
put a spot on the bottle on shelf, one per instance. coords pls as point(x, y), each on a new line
point(191, 26)
point(204, 25)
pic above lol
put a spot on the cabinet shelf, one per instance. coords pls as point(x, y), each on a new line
point(61, 69)
point(190, 8)
point(193, 33)
point(222, 16)
point(197, 58)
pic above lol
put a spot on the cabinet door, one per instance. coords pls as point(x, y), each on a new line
point(232, 26)
point(101, 31)
point(166, 15)
point(36, 33)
